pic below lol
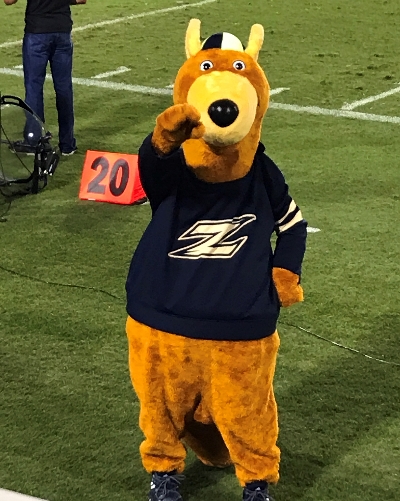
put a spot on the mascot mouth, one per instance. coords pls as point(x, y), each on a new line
point(227, 103)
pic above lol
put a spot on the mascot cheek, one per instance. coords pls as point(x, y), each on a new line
point(227, 103)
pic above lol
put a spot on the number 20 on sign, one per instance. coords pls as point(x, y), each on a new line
point(111, 177)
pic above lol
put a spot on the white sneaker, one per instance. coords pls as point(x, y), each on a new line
point(68, 154)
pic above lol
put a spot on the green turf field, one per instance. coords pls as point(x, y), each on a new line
point(68, 415)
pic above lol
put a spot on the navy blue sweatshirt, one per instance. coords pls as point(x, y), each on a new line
point(203, 267)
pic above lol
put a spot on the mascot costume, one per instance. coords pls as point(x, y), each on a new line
point(205, 287)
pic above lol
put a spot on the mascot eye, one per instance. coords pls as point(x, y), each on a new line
point(239, 65)
point(206, 65)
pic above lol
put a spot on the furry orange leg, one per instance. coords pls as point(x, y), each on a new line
point(166, 373)
point(244, 408)
point(162, 449)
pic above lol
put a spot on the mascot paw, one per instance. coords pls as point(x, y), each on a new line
point(174, 126)
point(288, 287)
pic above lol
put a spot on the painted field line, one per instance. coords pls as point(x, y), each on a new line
point(5, 45)
point(278, 90)
point(310, 229)
point(15, 496)
point(141, 89)
point(122, 19)
point(371, 99)
point(118, 71)
point(103, 84)
point(315, 110)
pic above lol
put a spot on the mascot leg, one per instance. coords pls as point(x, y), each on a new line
point(244, 408)
point(167, 375)
point(162, 449)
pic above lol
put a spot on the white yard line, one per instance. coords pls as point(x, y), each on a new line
point(315, 110)
point(371, 99)
point(103, 84)
point(118, 71)
point(15, 496)
point(141, 89)
point(278, 90)
point(122, 19)
point(5, 45)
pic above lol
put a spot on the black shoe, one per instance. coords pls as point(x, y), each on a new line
point(22, 147)
point(256, 491)
point(165, 487)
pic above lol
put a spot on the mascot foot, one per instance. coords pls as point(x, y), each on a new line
point(256, 491)
point(165, 486)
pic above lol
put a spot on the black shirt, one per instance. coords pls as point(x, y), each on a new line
point(48, 16)
point(203, 268)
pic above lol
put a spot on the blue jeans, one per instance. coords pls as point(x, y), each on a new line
point(37, 51)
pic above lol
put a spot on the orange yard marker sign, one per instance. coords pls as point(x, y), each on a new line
point(111, 177)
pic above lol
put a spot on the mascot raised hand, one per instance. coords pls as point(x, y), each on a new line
point(205, 286)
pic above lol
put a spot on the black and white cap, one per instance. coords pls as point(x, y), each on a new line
point(223, 40)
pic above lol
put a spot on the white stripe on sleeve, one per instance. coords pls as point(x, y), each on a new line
point(296, 219)
point(292, 207)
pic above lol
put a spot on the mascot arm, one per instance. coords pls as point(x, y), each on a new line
point(291, 230)
point(288, 286)
point(289, 252)
point(158, 175)
point(288, 257)
point(174, 126)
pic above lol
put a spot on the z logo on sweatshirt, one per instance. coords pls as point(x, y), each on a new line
point(213, 238)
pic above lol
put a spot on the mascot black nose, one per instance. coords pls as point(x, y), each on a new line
point(223, 112)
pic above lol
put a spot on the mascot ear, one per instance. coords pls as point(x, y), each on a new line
point(193, 42)
point(256, 40)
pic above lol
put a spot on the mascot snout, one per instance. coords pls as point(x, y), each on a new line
point(223, 112)
point(227, 103)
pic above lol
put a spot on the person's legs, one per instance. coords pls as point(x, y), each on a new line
point(61, 69)
point(244, 408)
point(36, 50)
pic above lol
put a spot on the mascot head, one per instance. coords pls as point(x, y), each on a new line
point(221, 95)
point(224, 82)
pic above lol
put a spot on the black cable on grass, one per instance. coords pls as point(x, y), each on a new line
point(110, 294)
point(59, 284)
point(340, 345)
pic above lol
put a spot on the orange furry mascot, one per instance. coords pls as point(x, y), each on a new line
point(205, 287)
